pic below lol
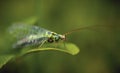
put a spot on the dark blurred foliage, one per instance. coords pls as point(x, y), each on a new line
point(100, 48)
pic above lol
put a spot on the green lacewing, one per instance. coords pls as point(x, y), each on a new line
point(31, 35)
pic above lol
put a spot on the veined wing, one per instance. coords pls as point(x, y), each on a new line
point(22, 30)
point(26, 42)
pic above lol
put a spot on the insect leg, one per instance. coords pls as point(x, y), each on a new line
point(64, 45)
point(42, 42)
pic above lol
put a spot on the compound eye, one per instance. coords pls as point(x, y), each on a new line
point(50, 40)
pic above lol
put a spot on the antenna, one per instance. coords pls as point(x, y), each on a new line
point(87, 27)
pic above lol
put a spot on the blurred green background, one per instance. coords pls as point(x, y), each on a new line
point(100, 48)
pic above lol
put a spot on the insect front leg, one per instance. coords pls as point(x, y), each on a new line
point(60, 44)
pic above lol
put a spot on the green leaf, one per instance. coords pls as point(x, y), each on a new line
point(4, 59)
point(67, 48)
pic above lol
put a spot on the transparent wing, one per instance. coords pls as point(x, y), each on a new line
point(21, 30)
point(29, 43)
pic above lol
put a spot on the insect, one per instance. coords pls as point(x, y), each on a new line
point(31, 35)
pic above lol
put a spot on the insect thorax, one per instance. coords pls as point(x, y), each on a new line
point(54, 37)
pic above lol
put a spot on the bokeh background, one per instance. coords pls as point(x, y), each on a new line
point(100, 48)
